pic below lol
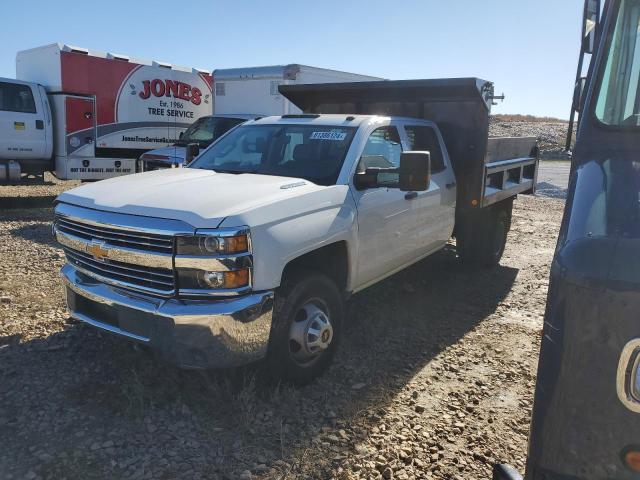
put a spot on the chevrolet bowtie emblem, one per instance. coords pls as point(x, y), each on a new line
point(97, 249)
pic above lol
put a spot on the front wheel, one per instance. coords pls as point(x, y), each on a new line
point(307, 325)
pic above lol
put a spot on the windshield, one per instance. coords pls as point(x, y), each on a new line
point(619, 98)
point(312, 152)
point(205, 130)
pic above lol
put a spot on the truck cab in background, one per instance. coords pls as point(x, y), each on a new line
point(200, 134)
point(585, 421)
point(26, 131)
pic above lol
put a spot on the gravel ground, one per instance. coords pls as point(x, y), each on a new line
point(553, 179)
point(434, 378)
point(33, 188)
point(34, 193)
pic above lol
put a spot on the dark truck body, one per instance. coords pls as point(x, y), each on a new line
point(585, 422)
point(581, 429)
point(488, 170)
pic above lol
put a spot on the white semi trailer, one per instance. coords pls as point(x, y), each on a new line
point(255, 89)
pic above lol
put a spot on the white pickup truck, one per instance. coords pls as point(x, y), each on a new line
point(251, 251)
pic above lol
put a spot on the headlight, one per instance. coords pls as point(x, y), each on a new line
point(212, 245)
point(214, 262)
point(202, 279)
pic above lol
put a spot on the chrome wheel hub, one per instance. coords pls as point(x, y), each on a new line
point(310, 333)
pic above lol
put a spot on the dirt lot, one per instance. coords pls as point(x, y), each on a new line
point(33, 192)
point(434, 378)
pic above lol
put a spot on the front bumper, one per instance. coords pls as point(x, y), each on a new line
point(190, 333)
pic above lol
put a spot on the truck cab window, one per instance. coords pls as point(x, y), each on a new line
point(382, 150)
point(314, 153)
point(619, 98)
point(207, 129)
point(423, 138)
point(16, 98)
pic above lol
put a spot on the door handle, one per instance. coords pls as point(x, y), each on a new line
point(410, 195)
point(449, 186)
point(39, 125)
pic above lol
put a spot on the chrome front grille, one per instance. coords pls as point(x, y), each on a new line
point(123, 250)
point(115, 236)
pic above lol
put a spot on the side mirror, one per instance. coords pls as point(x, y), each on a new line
point(181, 134)
point(578, 94)
point(415, 171)
point(193, 150)
point(414, 174)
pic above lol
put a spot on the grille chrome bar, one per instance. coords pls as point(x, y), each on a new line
point(122, 255)
point(158, 283)
point(114, 236)
point(161, 275)
point(220, 263)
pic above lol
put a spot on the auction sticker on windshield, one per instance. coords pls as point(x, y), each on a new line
point(339, 136)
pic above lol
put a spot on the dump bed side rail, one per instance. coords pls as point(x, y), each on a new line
point(511, 167)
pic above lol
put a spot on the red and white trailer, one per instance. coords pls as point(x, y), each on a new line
point(104, 109)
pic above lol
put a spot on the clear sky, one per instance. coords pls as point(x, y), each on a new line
point(528, 48)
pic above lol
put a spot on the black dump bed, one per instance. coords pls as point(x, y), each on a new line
point(460, 107)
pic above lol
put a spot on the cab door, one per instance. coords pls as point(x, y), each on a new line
point(434, 208)
point(22, 122)
point(385, 214)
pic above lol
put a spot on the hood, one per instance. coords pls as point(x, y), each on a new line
point(201, 198)
point(176, 154)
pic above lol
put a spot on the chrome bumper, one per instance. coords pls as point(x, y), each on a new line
point(191, 333)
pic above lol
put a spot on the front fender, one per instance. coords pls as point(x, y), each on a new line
point(285, 230)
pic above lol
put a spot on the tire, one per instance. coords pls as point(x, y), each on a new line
point(306, 303)
point(482, 240)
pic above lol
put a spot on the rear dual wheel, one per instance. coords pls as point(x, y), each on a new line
point(482, 239)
